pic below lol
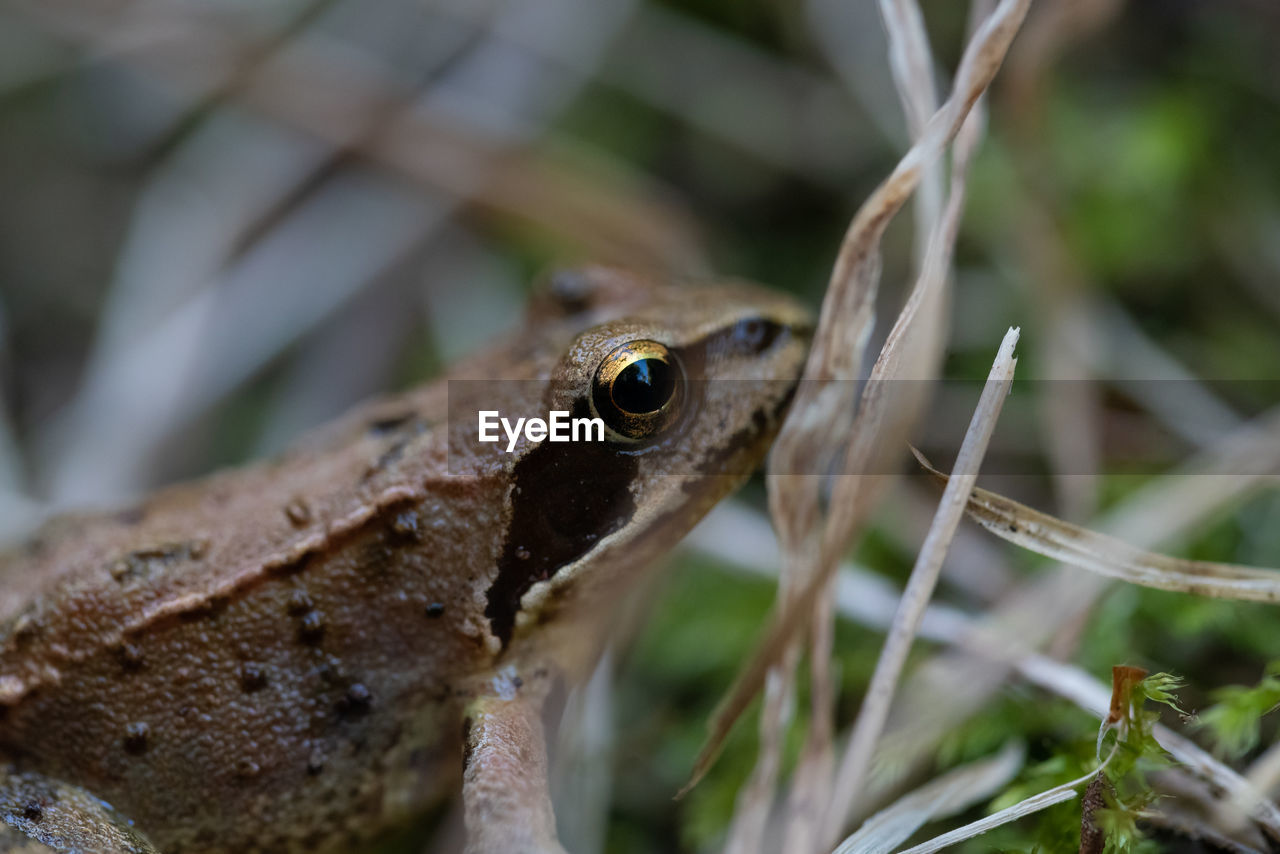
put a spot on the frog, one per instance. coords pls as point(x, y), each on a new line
point(308, 652)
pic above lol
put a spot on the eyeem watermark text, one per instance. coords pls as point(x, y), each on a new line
point(557, 427)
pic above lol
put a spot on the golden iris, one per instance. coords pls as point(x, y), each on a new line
point(638, 389)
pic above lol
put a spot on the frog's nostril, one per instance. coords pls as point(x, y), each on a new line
point(754, 335)
point(571, 289)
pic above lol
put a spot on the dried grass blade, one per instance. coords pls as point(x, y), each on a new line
point(1239, 791)
point(818, 406)
point(1264, 772)
point(1035, 803)
point(1194, 829)
point(913, 66)
point(752, 808)
point(953, 792)
point(811, 780)
point(915, 599)
point(1106, 555)
point(913, 351)
point(911, 60)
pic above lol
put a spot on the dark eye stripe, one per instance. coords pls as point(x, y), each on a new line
point(567, 498)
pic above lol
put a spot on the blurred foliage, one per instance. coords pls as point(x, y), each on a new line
point(1234, 720)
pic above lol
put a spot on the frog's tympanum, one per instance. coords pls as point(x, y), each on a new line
point(307, 653)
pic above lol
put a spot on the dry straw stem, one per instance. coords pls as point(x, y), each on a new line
point(914, 350)
point(924, 577)
point(1264, 772)
point(953, 792)
point(911, 61)
point(1194, 830)
point(820, 414)
point(1053, 538)
point(752, 807)
point(1033, 804)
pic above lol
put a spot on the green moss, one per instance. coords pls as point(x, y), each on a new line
point(1234, 721)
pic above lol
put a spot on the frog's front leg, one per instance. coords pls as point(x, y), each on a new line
point(42, 815)
point(505, 792)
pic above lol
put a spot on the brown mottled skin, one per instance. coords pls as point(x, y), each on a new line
point(280, 657)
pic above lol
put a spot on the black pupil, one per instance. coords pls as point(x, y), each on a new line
point(644, 386)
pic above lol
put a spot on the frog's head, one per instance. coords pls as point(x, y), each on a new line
point(690, 383)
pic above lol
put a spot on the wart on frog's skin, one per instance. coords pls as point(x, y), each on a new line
point(281, 658)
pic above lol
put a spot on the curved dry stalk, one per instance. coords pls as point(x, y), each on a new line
point(912, 64)
point(924, 576)
point(953, 792)
point(1035, 803)
point(913, 349)
point(1195, 830)
point(1264, 772)
point(751, 810)
point(820, 411)
point(1106, 555)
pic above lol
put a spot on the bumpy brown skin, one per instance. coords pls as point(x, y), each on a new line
point(215, 718)
point(279, 658)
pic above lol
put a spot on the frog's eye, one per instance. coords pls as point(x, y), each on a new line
point(638, 390)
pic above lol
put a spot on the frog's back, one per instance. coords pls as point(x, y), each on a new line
point(258, 661)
